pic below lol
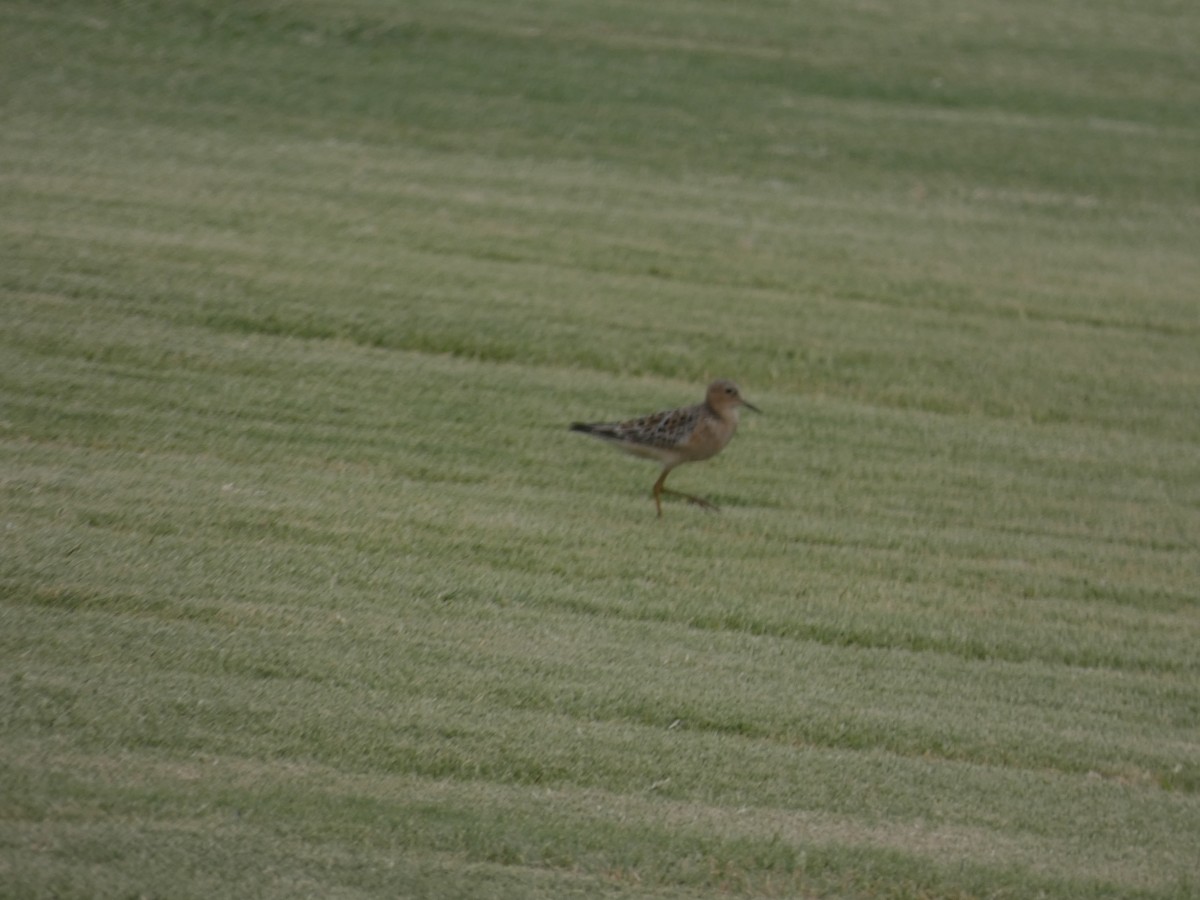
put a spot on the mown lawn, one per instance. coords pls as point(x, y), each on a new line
point(306, 590)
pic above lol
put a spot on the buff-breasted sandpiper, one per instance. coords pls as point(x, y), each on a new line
point(677, 436)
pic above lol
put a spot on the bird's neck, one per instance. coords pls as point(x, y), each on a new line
point(728, 413)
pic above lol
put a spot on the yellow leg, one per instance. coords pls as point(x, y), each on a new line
point(660, 489)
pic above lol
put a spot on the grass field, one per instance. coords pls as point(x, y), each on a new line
point(307, 591)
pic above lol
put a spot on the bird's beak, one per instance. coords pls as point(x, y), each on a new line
point(749, 405)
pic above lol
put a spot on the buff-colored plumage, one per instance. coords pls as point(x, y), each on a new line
point(677, 436)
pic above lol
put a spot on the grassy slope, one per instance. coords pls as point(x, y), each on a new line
point(306, 591)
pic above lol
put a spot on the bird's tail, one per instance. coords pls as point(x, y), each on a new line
point(604, 430)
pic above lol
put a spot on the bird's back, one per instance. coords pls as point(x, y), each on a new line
point(672, 436)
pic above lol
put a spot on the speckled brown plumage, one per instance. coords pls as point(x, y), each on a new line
point(677, 436)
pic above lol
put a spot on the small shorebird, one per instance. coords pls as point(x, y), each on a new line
point(677, 436)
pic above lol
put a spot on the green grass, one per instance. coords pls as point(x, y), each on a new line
point(306, 589)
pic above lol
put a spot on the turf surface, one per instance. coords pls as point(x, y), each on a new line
point(306, 590)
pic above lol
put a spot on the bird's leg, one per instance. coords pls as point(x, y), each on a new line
point(660, 489)
point(699, 501)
